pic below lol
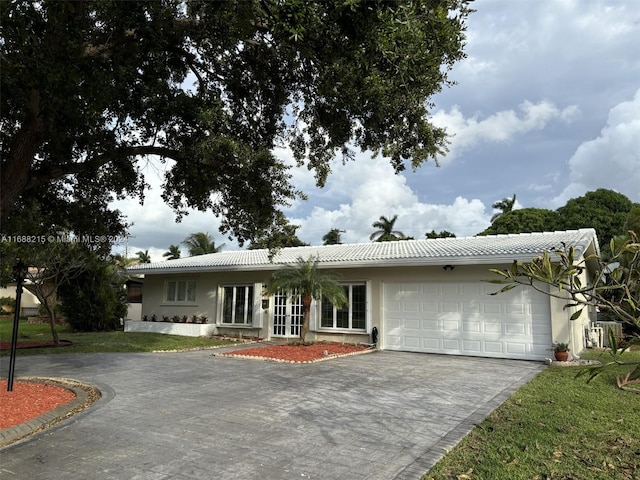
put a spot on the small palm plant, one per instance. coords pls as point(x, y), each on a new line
point(306, 280)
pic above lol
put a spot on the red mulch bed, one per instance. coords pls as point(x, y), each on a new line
point(29, 400)
point(299, 353)
point(35, 344)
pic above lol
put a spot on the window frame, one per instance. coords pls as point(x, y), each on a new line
point(349, 310)
point(249, 304)
point(175, 300)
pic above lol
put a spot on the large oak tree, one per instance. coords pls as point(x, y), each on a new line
point(91, 91)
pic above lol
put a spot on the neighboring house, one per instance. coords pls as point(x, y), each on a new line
point(422, 295)
point(29, 303)
point(134, 299)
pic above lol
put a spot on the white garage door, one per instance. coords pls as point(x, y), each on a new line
point(463, 319)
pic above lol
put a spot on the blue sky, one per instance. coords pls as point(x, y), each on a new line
point(547, 106)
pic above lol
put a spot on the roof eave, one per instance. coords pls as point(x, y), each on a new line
point(408, 262)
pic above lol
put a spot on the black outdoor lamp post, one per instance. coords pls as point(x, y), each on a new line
point(19, 274)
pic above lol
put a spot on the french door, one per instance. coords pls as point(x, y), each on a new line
point(287, 314)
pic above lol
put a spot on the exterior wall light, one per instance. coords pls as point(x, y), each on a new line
point(448, 267)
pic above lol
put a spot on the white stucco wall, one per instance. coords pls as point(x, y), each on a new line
point(207, 286)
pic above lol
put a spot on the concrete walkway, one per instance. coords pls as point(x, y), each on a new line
point(385, 415)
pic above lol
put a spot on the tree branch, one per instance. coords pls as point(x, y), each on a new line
point(56, 172)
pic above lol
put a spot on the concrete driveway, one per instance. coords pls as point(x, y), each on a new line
point(384, 415)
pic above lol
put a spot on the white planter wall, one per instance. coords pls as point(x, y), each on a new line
point(184, 329)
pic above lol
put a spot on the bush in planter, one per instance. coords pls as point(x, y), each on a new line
point(195, 319)
point(203, 319)
point(175, 319)
point(7, 304)
point(154, 318)
point(165, 318)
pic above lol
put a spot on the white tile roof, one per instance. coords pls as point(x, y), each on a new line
point(440, 251)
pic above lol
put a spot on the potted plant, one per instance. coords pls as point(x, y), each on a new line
point(561, 351)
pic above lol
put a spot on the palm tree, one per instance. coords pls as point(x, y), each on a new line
point(505, 206)
point(173, 253)
point(304, 279)
point(144, 257)
point(201, 243)
point(385, 232)
point(332, 237)
point(120, 260)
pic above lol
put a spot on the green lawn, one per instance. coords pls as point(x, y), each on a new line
point(97, 342)
point(555, 427)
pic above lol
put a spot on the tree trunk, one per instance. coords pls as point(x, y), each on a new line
point(306, 311)
point(17, 169)
point(52, 323)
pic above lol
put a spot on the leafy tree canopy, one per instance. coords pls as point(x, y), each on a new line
point(609, 212)
point(524, 220)
point(443, 234)
point(91, 89)
point(281, 237)
point(604, 210)
point(332, 237)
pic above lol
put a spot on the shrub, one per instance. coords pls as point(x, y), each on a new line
point(95, 299)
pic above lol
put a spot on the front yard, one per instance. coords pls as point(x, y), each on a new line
point(555, 427)
point(97, 342)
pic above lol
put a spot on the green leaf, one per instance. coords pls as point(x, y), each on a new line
point(504, 289)
point(577, 314)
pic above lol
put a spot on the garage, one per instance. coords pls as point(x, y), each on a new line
point(461, 318)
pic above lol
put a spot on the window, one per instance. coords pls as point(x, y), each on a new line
point(350, 317)
point(182, 291)
point(237, 304)
point(134, 292)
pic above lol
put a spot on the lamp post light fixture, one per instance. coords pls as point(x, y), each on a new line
point(19, 274)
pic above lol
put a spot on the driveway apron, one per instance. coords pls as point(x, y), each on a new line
point(384, 415)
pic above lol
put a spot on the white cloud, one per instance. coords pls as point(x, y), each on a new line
point(372, 189)
point(154, 223)
point(468, 132)
point(612, 160)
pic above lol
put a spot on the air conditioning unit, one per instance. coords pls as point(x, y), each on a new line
point(615, 327)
